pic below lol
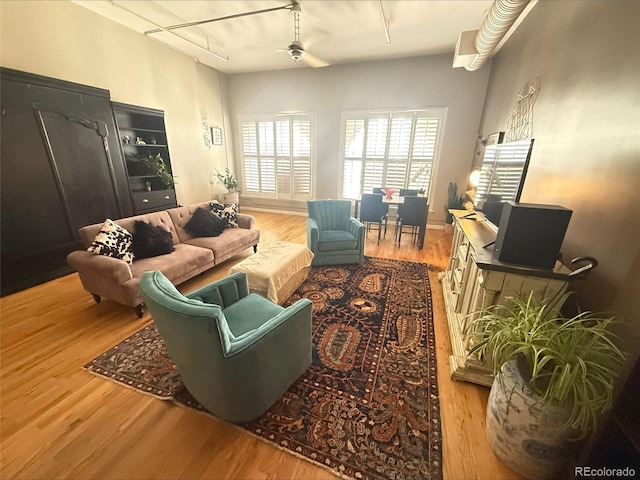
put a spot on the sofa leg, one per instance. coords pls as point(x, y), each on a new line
point(140, 310)
point(255, 249)
point(96, 298)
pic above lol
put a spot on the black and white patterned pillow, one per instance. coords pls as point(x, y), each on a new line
point(113, 241)
point(228, 211)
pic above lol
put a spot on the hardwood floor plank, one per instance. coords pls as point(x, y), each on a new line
point(60, 421)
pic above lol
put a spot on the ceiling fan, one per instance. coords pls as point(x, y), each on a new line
point(295, 49)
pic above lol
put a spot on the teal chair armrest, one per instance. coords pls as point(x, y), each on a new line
point(356, 228)
point(262, 364)
point(275, 332)
point(313, 233)
point(223, 292)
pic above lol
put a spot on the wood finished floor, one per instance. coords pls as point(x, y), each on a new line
point(58, 421)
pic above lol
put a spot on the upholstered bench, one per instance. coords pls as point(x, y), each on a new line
point(277, 270)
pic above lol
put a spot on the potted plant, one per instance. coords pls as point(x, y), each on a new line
point(554, 378)
point(454, 201)
point(231, 184)
point(154, 165)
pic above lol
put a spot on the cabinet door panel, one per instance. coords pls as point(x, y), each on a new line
point(61, 169)
point(31, 208)
point(82, 166)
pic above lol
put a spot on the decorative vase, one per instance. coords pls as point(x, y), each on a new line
point(230, 197)
point(523, 431)
point(389, 193)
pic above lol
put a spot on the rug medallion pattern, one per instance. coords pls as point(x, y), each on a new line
point(367, 407)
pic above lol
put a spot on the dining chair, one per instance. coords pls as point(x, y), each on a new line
point(373, 211)
point(408, 192)
point(377, 190)
point(412, 213)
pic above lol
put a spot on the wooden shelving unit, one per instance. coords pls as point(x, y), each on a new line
point(143, 138)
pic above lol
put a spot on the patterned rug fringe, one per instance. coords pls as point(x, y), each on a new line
point(88, 368)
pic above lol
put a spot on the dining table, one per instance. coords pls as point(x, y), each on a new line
point(397, 200)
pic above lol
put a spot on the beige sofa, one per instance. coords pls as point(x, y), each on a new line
point(116, 280)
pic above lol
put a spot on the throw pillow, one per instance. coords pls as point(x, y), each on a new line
point(113, 241)
point(204, 224)
point(151, 240)
point(227, 210)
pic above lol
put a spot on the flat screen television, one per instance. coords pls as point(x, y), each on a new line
point(502, 174)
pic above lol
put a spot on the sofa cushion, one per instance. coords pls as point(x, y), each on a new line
point(150, 240)
point(204, 223)
point(184, 262)
point(230, 243)
point(113, 241)
point(227, 210)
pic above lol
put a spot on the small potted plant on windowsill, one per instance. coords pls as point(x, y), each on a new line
point(231, 184)
point(554, 378)
point(455, 202)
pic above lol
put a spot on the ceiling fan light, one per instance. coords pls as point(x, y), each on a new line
point(296, 53)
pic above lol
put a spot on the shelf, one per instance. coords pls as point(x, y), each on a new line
point(157, 145)
point(145, 130)
point(148, 125)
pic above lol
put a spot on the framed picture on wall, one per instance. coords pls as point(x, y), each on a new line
point(216, 135)
point(495, 138)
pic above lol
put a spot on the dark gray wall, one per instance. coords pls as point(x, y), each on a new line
point(586, 125)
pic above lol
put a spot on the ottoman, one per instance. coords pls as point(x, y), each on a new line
point(277, 270)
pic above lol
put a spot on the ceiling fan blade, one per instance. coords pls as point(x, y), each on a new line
point(313, 61)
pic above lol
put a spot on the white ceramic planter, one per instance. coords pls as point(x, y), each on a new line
point(230, 197)
point(523, 432)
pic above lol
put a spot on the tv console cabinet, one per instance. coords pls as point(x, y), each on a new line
point(474, 280)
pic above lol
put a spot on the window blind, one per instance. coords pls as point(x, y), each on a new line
point(389, 149)
point(503, 168)
point(277, 156)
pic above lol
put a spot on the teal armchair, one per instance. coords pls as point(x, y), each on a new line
point(333, 235)
point(237, 352)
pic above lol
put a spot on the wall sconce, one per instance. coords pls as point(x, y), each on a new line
point(474, 178)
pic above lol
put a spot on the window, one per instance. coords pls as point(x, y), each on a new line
point(503, 171)
point(276, 156)
point(389, 149)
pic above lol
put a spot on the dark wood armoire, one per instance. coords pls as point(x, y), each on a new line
point(62, 168)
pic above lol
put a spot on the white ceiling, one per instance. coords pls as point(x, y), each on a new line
point(336, 31)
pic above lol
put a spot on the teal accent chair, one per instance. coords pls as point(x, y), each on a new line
point(237, 352)
point(333, 235)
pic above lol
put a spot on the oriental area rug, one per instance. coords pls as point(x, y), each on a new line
point(368, 406)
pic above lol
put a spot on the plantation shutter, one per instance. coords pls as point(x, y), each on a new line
point(389, 149)
point(277, 157)
point(502, 169)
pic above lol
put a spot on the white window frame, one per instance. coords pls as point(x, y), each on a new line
point(438, 113)
point(284, 185)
